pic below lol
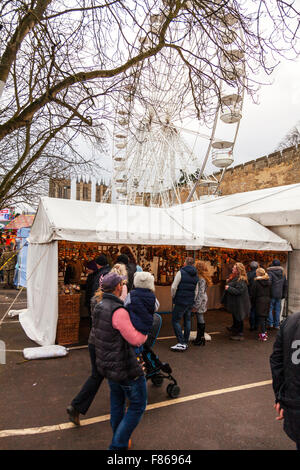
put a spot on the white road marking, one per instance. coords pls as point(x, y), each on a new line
point(99, 419)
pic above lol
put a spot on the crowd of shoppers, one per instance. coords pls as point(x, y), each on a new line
point(116, 337)
point(121, 303)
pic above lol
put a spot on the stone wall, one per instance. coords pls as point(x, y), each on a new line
point(60, 188)
point(276, 169)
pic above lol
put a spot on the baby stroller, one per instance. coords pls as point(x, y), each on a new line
point(156, 370)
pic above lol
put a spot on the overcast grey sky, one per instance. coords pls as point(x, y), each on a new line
point(265, 124)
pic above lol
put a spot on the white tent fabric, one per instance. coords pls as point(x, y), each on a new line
point(39, 320)
point(79, 221)
point(227, 231)
point(276, 208)
point(270, 207)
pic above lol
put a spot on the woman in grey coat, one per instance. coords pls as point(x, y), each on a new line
point(200, 305)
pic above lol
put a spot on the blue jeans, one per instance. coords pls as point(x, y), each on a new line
point(123, 423)
point(276, 305)
point(179, 312)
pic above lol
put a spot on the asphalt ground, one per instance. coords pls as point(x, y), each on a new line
point(226, 399)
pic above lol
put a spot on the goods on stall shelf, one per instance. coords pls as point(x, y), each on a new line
point(162, 261)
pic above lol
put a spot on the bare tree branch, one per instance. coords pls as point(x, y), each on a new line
point(65, 68)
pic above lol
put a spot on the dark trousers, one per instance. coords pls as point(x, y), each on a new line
point(83, 400)
point(253, 318)
point(238, 326)
point(262, 324)
point(90, 315)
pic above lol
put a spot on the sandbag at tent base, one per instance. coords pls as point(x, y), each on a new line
point(45, 352)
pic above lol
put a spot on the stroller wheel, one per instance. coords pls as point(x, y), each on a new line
point(157, 380)
point(173, 390)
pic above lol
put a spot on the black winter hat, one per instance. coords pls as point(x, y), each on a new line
point(101, 260)
point(122, 259)
point(276, 262)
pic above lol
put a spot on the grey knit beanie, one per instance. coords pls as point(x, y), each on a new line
point(144, 280)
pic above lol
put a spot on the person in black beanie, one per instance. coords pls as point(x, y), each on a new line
point(102, 269)
point(279, 290)
point(251, 275)
point(92, 270)
point(131, 269)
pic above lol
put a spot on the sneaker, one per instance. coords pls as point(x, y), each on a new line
point(179, 347)
point(73, 415)
point(262, 337)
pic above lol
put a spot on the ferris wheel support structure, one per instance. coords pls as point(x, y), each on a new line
point(149, 153)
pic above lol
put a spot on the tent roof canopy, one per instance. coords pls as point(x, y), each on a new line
point(21, 221)
point(81, 221)
point(271, 206)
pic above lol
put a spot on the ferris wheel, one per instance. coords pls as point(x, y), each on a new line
point(158, 160)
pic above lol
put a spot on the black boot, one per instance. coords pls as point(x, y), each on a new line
point(200, 339)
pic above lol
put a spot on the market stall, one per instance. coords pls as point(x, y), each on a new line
point(21, 226)
point(158, 239)
point(278, 209)
point(21, 248)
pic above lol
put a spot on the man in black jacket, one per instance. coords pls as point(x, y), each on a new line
point(130, 267)
point(183, 291)
point(92, 270)
point(278, 292)
point(103, 268)
point(251, 275)
point(285, 367)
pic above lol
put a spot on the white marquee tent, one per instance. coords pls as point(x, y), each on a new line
point(78, 221)
point(270, 207)
point(276, 208)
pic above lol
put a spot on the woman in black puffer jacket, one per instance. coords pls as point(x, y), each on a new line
point(236, 300)
point(260, 294)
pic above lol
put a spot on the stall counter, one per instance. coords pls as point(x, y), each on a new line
point(214, 292)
